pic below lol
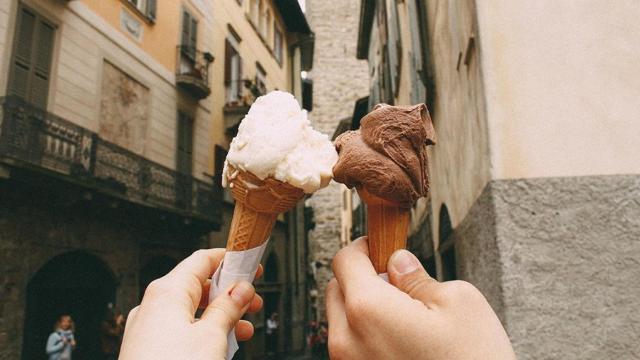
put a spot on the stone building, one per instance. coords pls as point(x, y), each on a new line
point(338, 79)
point(104, 145)
point(535, 193)
point(260, 46)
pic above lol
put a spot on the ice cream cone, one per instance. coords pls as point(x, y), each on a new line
point(387, 227)
point(258, 203)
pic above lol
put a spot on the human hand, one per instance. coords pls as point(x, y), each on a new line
point(163, 326)
point(412, 317)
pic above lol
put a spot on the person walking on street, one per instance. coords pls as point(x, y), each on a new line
point(112, 329)
point(61, 342)
point(272, 335)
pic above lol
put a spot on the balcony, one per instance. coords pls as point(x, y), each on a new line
point(240, 94)
point(34, 140)
point(192, 71)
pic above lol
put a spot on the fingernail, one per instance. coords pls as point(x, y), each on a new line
point(242, 293)
point(402, 262)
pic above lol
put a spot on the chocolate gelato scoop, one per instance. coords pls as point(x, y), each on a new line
point(387, 156)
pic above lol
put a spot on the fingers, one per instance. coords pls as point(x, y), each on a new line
point(353, 269)
point(407, 274)
point(200, 264)
point(244, 330)
point(254, 307)
point(256, 304)
point(225, 311)
point(336, 314)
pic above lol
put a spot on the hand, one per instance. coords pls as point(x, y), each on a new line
point(73, 343)
point(163, 325)
point(413, 317)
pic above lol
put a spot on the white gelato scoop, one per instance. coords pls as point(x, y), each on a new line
point(276, 139)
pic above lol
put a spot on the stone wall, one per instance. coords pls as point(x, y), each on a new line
point(31, 234)
point(557, 258)
point(339, 79)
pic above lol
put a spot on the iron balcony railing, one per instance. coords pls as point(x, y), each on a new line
point(35, 138)
point(192, 72)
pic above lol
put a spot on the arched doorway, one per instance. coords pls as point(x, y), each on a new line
point(75, 283)
point(446, 246)
point(157, 267)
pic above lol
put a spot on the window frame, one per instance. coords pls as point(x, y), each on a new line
point(39, 20)
point(278, 51)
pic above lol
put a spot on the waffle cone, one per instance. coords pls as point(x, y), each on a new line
point(387, 228)
point(258, 203)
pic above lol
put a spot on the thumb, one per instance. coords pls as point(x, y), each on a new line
point(226, 309)
point(408, 275)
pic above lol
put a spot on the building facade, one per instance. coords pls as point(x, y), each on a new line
point(338, 79)
point(105, 144)
point(534, 179)
point(261, 46)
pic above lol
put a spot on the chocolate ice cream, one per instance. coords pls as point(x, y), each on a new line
point(387, 156)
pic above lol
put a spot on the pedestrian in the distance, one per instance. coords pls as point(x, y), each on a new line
point(61, 342)
point(112, 329)
point(272, 334)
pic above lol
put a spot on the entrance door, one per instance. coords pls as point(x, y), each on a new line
point(75, 283)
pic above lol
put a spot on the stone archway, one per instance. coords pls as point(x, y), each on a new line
point(76, 283)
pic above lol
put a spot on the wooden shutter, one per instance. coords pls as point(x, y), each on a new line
point(417, 87)
point(395, 50)
point(184, 155)
point(186, 23)
point(193, 40)
point(239, 78)
point(22, 64)
point(151, 9)
point(31, 63)
point(43, 49)
point(228, 54)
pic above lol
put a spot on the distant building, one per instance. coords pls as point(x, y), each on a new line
point(105, 123)
point(260, 46)
point(338, 79)
point(535, 193)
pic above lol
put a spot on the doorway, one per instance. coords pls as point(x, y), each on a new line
point(76, 283)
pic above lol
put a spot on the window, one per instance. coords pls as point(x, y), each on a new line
point(146, 7)
point(267, 31)
point(233, 71)
point(261, 79)
point(184, 149)
point(31, 63)
point(189, 36)
point(262, 17)
point(277, 44)
point(447, 247)
point(254, 10)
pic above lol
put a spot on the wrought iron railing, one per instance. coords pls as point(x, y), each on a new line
point(192, 72)
point(242, 93)
point(36, 138)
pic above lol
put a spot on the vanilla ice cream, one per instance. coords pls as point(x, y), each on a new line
point(275, 139)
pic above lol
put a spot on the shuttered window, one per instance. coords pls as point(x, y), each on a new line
point(146, 7)
point(189, 35)
point(394, 47)
point(418, 91)
point(232, 71)
point(277, 44)
point(31, 62)
point(184, 155)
